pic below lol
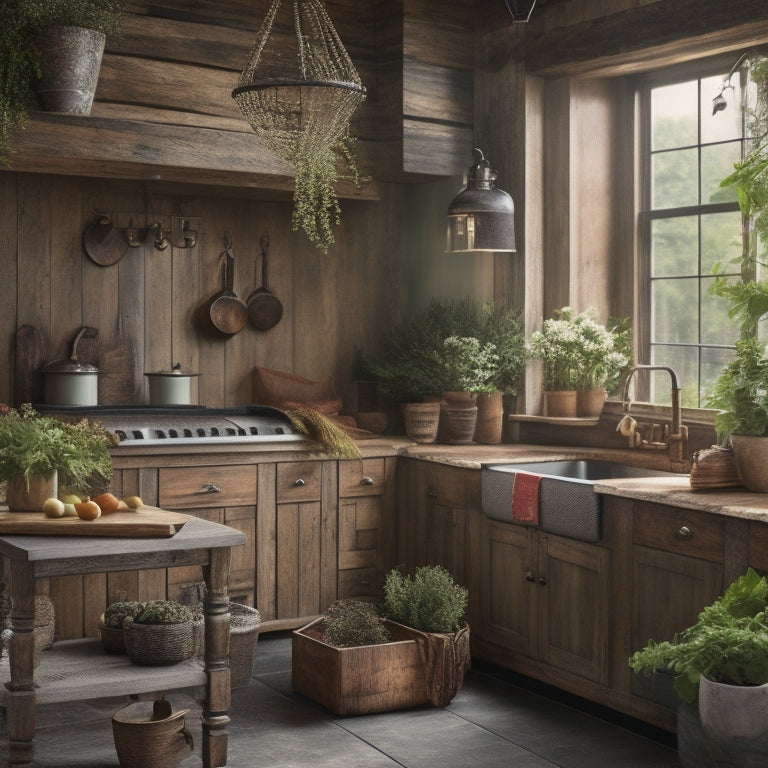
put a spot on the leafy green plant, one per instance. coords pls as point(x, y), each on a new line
point(19, 66)
point(410, 365)
point(740, 393)
point(429, 600)
point(35, 444)
point(104, 16)
point(162, 612)
point(350, 623)
point(469, 365)
point(577, 351)
point(115, 614)
point(728, 644)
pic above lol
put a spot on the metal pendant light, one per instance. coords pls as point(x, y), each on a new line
point(481, 217)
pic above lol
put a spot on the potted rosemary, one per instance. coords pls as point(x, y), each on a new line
point(40, 452)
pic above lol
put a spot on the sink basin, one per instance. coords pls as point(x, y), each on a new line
point(568, 505)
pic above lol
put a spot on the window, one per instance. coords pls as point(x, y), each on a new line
point(688, 223)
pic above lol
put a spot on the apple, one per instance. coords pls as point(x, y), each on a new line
point(69, 510)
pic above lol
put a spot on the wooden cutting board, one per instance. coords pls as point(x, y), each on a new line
point(140, 523)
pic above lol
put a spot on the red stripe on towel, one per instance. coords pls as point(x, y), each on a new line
point(525, 498)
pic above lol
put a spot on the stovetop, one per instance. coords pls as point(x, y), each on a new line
point(144, 425)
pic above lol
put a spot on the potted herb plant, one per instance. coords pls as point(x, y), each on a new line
point(739, 394)
point(354, 662)
point(432, 606)
point(111, 623)
point(37, 449)
point(579, 354)
point(721, 662)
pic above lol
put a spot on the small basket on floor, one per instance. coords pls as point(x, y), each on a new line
point(143, 741)
point(244, 624)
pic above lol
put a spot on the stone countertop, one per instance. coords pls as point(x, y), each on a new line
point(677, 492)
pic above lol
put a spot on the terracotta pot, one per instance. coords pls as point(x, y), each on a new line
point(20, 499)
point(490, 418)
point(751, 455)
point(561, 403)
point(461, 424)
point(421, 421)
point(590, 401)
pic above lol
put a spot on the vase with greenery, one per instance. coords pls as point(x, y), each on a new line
point(34, 444)
point(433, 607)
point(739, 394)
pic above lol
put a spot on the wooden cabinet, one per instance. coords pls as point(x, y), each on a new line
point(366, 541)
point(432, 515)
point(677, 569)
point(546, 598)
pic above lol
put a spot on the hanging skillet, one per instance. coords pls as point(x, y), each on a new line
point(227, 312)
point(264, 308)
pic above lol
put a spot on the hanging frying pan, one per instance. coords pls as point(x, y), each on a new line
point(227, 312)
point(264, 308)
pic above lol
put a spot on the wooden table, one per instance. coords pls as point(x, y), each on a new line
point(199, 542)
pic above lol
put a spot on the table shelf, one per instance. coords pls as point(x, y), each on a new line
point(75, 670)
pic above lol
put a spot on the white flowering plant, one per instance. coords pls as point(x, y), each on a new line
point(578, 352)
point(469, 365)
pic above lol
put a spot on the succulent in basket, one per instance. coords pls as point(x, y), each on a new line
point(116, 613)
point(161, 612)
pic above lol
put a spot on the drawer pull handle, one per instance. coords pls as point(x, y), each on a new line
point(542, 581)
point(685, 532)
point(432, 493)
point(299, 482)
point(366, 481)
point(529, 576)
point(210, 488)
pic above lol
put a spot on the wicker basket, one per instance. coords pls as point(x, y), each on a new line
point(45, 620)
point(143, 742)
point(112, 639)
point(714, 467)
point(159, 644)
point(244, 623)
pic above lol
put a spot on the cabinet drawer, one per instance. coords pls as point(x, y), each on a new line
point(197, 487)
point(682, 531)
point(361, 478)
point(299, 481)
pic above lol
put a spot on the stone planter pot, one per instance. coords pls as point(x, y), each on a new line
point(561, 403)
point(733, 711)
point(751, 455)
point(19, 498)
point(70, 66)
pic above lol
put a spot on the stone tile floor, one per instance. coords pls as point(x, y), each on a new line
point(493, 721)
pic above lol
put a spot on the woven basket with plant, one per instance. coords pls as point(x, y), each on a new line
point(162, 633)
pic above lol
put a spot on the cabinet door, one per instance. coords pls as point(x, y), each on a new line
point(668, 593)
point(509, 590)
point(572, 580)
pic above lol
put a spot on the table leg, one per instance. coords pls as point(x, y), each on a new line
point(22, 700)
point(218, 698)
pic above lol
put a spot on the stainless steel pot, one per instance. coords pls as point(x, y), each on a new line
point(67, 382)
point(170, 387)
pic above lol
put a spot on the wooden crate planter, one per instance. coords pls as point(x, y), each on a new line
point(361, 680)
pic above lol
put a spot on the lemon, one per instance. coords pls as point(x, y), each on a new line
point(134, 502)
point(69, 510)
point(71, 498)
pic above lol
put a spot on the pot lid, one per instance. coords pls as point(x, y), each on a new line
point(175, 371)
point(69, 366)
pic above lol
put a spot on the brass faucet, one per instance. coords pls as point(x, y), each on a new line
point(675, 435)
